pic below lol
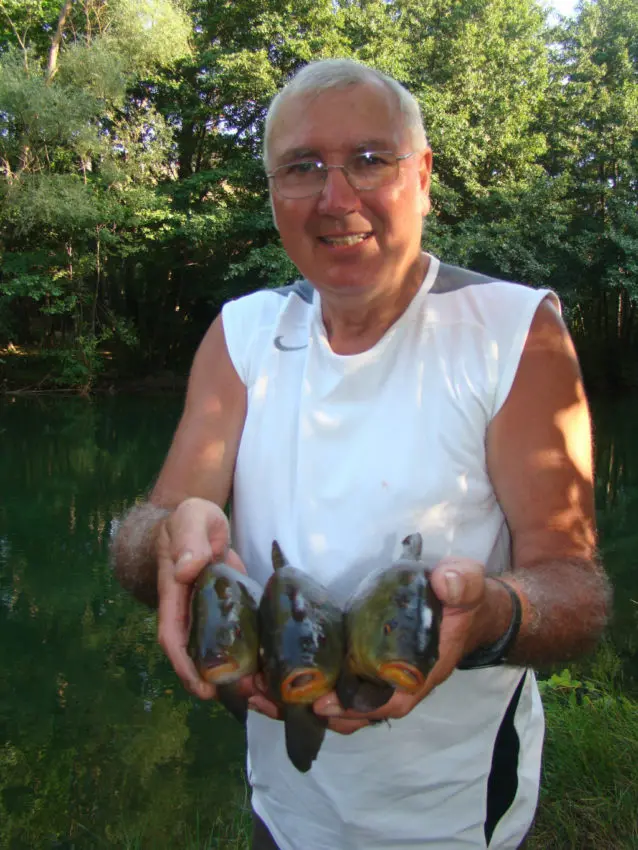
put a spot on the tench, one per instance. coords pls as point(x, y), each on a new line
point(392, 625)
point(302, 648)
point(224, 635)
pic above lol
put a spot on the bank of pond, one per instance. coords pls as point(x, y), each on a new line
point(99, 744)
point(589, 790)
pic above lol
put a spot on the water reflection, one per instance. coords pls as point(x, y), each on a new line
point(99, 745)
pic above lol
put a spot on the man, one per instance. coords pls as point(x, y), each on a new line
point(385, 394)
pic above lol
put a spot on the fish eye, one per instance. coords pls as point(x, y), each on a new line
point(389, 627)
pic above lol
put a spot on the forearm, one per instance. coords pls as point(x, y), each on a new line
point(133, 551)
point(566, 605)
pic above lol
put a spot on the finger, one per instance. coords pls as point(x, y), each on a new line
point(399, 704)
point(172, 634)
point(246, 686)
point(199, 533)
point(346, 727)
point(233, 560)
point(260, 683)
point(459, 582)
point(259, 703)
point(328, 705)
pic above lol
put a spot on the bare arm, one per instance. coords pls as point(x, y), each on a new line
point(540, 463)
point(539, 456)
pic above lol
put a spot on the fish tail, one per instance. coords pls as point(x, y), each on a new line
point(233, 702)
point(305, 732)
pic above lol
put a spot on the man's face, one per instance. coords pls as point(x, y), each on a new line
point(331, 127)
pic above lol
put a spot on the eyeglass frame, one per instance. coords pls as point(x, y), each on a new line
point(325, 168)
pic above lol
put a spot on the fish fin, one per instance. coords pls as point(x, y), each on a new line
point(372, 695)
point(361, 694)
point(346, 687)
point(304, 735)
point(233, 702)
point(278, 557)
point(412, 547)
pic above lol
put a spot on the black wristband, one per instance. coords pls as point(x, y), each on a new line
point(496, 653)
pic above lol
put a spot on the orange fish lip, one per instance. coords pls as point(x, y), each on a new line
point(219, 672)
point(304, 685)
point(405, 676)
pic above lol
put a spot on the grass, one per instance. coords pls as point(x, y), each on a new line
point(589, 790)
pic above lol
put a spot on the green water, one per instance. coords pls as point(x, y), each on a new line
point(99, 746)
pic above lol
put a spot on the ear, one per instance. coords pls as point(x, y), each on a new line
point(425, 173)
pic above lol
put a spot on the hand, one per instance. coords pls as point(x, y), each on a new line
point(469, 602)
point(260, 701)
point(194, 534)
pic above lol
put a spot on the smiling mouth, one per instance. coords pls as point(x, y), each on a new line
point(349, 239)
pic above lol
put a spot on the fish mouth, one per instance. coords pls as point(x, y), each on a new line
point(304, 685)
point(403, 675)
point(217, 669)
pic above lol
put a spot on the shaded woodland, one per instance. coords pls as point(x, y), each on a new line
point(133, 200)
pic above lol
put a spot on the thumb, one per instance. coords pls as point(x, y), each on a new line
point(459, 582)
point(197, 533)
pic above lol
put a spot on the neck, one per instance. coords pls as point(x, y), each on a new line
point(355, 322)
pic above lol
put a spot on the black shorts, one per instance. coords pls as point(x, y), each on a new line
point(262, 839)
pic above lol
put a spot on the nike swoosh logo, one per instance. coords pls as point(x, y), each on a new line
point(279, 344)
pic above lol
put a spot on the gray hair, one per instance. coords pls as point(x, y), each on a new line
point(329, 74)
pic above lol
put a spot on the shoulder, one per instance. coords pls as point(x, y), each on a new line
point(267, 304)
point(469, 295)
point(253, 321)
point(486, 321)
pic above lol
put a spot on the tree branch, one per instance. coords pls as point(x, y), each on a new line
point(56, 41)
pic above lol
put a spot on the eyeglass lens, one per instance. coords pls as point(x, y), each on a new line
point(363, 171)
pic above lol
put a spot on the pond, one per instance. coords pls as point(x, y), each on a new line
point(99, 745)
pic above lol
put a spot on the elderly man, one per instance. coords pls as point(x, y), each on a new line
point(384, 394)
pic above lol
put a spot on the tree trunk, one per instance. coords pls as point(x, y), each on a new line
point(56, 41)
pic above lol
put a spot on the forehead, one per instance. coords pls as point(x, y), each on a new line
point(337, 121)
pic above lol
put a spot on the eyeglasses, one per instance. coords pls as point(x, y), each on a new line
point(363, 171)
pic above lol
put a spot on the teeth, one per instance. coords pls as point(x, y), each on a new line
point(352, 239)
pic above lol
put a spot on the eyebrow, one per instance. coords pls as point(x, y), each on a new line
point(293, 154)
point(297, 153)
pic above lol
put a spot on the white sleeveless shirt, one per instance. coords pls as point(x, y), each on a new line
point(341, 457)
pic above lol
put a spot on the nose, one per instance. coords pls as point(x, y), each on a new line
point(337, 196)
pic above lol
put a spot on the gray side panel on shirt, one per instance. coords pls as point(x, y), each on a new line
point(452, 278)
point(300, 287)
point(449, 279)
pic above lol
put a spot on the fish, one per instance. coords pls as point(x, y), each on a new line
point(392, 623)
point(302, 649)
point(224, 634)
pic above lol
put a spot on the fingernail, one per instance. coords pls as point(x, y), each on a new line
point(454, 586)
point(330, 709)
point(184, 559)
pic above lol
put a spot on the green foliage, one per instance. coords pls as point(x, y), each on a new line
point(132, 168)
point(151, 34)
point(590, 773)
